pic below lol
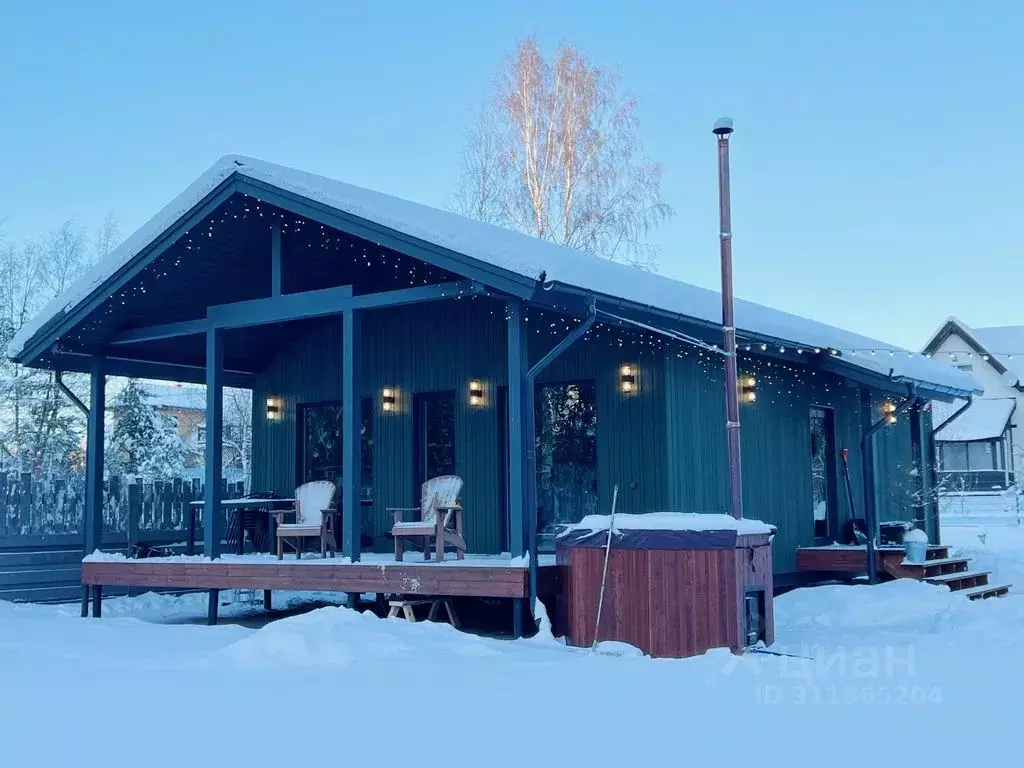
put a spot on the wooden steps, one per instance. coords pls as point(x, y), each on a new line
point(938, 568)
point(986, 591)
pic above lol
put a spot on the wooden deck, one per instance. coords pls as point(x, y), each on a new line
point(473, 577)
point(853, 560)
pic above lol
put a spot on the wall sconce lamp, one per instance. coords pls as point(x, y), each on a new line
point(889, 412)
point(627, 379)
point(388, 399)
point(748, 391)
point(273, 408)
point(476, 392)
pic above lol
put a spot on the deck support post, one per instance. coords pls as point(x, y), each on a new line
point(266, 600)
point(518, 417)
point(517, 617)
point(212, 604)
point(92, 533)
point(97, 601)
point(213, 522)
point(867, 459)
point(351, 418)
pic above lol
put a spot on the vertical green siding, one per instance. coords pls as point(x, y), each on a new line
point(664, 446)
point(439, 347)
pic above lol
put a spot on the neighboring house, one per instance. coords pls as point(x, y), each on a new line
point(979, 448)
point(185, 405)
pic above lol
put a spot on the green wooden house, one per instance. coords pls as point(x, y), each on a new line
point(387, 342)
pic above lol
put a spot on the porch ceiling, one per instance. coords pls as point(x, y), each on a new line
point(226, 258)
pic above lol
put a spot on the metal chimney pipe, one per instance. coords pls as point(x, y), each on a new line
point(723, 128)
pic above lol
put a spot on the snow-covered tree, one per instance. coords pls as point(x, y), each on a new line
point(142, 441)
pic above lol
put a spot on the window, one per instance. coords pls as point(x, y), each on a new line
point(972, 457)
point(966, 367)
point(320, 443)
point(824, 495)
point(566, 472)
point(201, 434)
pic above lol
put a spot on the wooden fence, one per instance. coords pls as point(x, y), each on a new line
point(41, 527)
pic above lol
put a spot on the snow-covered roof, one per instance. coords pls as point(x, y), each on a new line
point(520, 255)
point(1002, 347)
point(669, 521)
point(986, 419)
point(176, 396)
point(1005, 342)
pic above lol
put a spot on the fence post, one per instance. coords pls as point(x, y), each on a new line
point(134, 511)
point(26, 501)
point(4, 503)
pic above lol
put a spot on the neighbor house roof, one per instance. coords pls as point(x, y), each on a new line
point(546, 264)
point(182, 397)
point(985, 419)
point(999, 346)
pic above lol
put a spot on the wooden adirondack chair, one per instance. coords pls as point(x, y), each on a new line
point(313, 518)
point(440, 519)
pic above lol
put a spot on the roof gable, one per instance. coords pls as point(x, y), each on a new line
point(986, 343)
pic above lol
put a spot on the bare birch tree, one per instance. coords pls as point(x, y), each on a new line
point(556, 154)
point(39, 429)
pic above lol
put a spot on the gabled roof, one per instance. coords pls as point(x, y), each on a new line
point(996, 346)
point(544, 265)
point(986, 419)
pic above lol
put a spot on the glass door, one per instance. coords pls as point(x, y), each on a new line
point(566, 419)
point(823, 474)
point(319, 443)
point(434, 441)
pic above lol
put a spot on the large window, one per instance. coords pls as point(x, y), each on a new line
point(320, 454)
point(434, 427)
point(973, 457)
point(823, 473)
point(566, 419)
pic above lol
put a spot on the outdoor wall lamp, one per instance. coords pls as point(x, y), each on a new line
point(476, 392)
point(273, 408)
point(889, 412)
point(627, 379)
point(388, 399)
point(747, 386)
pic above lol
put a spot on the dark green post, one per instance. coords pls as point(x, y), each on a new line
point(92, 533)
point(213, 522)
point(351, 481)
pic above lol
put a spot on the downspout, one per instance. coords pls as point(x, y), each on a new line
point(58, 377)
point(866, 456)
point(531, 448)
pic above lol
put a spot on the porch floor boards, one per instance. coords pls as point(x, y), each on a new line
point(451, 578)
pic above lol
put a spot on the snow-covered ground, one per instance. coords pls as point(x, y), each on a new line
point(903, 671)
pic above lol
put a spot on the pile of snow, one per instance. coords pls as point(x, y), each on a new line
point(670, 521)
point(899, 661)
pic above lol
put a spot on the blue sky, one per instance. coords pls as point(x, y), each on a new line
point(876, 171)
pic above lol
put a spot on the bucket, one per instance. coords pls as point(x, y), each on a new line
point(915, 544)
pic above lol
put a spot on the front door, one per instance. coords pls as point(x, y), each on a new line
point(823, 474)
point(566, 475)
point(434, 437)
point(319, 442)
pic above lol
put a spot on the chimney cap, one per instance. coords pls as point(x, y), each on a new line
point(723, 126)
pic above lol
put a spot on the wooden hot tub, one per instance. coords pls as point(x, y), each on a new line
point(671, 591)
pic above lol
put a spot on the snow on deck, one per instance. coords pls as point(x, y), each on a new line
point(670, 521)
point(381, 559)
point(519, 254)
point(985, 419)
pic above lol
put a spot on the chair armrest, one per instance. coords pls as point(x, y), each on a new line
point(396, 512)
